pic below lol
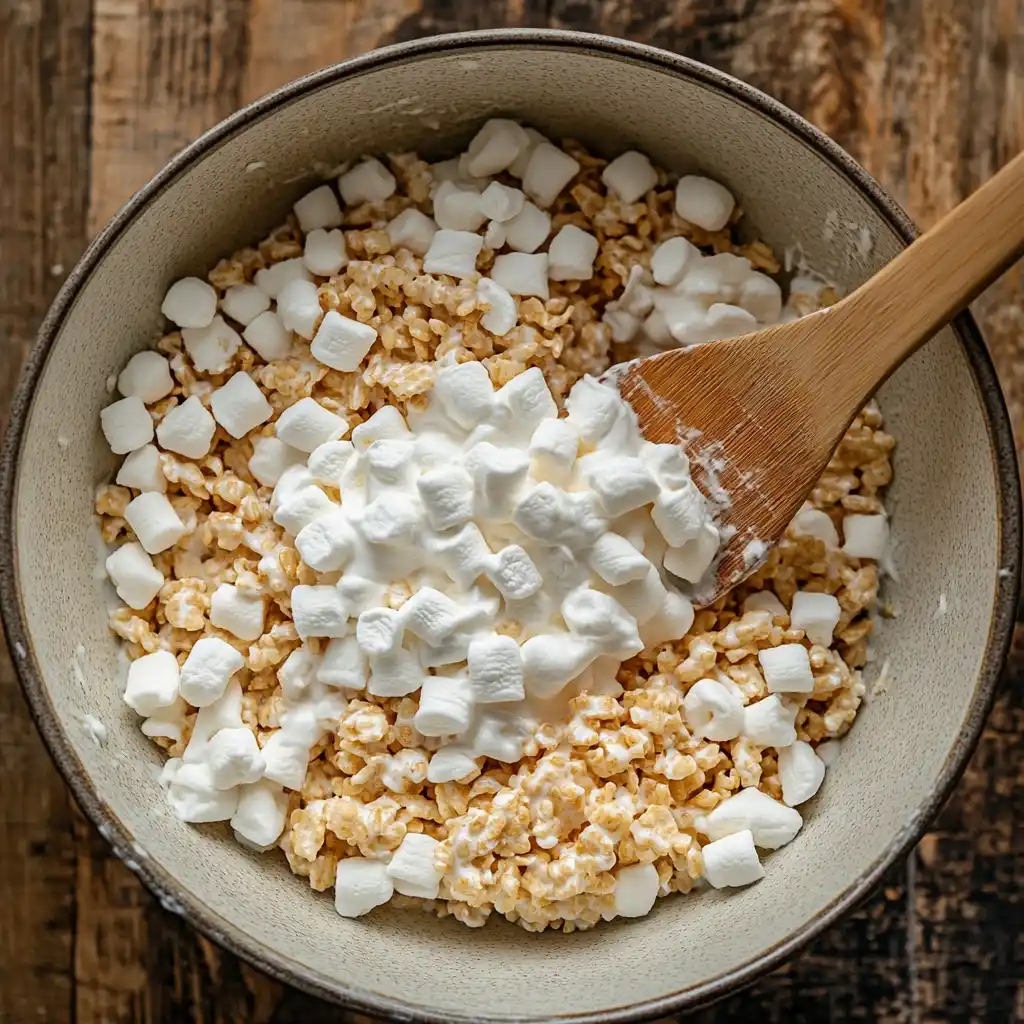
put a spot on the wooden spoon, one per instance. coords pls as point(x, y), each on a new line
point(764, 412)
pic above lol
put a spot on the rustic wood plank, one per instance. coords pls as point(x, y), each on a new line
point(44, 122)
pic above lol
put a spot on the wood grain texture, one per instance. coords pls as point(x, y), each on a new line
point(926, 93)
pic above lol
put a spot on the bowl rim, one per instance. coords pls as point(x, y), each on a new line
point(227, 935)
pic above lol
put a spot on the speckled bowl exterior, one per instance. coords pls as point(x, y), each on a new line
point(955, 509)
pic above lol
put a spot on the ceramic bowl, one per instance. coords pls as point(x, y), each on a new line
point(955, 516)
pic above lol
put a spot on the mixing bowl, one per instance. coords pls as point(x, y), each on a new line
point(955, 515)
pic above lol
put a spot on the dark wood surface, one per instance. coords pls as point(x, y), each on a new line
point(95, 95)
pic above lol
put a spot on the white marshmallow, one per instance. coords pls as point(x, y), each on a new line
point(298, 306)
point(152, 683)
point(599, 617)
point(553, 448)
point(671, 259)
point(270, 458)
point(457, 209)
point(769, 723)
point(764, 601)
point(622, 483)
point(412, 868)
point(238, 611)
point(713, 711)
point(244, 302)
point(154, 521)
point(367, 182)
point(268, 337)
point(812, 522)
point(498, 475)
point(528, 401)
point(447, 496)
point(135, 578)
point(801, 772)
point(514, 574)
point(495, 669)
point(319, 611)
point(430, 615)
point(239, 406)
point(787, 669)
point(360, 885)
point(450, 765)
point(865, 536)
point(192, 795)
point(379, 630)
point(636, 889)
point(187, 429)
point(260, 816)
point(411, 230)
point(494, 235)
point(503, 314)
point(623, 325)
point(704, 202)
point(141, 470)
point(392, 518)
point(318, 209)
point(463, 554)
point(630, 175)
point(679, 514)
point(211, 348)
point(571, 255)
point(286, 751)
point(495, 147)
point(386, 423)
point(325, 253)
point(547, 173)
point(146, 375)
point(761, 297)
point(395, 675)
point(328, 543)
point(446, 705)
point(208, 669)
point(234, 758)
point(732, 861)
point(299, 673)
point(655, 331)
point(725, 321)
point(522, 274)
point(453, 253)
point(327, 462)
point(643, 598)
point(616, 561)
point(594, 408)
point(518, 166)
point(528, 229)
point(341, 342)
point(772, 824)
point(466, 393)
point(344, 664)
point(816, 614)
point(224, 713)
point(168, 723)
point(671, 621)
point(301, 507)
point(307, 425)
point(501, 203)
point(126, 425)
point(694, 558)
point(272, 280)
point(190, 302)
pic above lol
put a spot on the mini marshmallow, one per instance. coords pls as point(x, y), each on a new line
point(341, 342)
point(240, 612)
point(208, 669)
point(725, 321)
point(392, 518)
point(318, 209)
point(268, 337)
point(270, 458)
point(367, 182)
point(495, 669)
point(501, 203)
point(152, 683)
point(528, 400)
point(261, 813)
point(298, 674)
point(769, 723)
point(801, 772)
point(211, 348)
point(239, 406)
point(865, 536)
point(466, 393)
point(495, 147)
point(413, 869)
point(816, 614)
point(446, 704)
point(319, 611)
point(457, 209)
point(328, 543)
point(679, 514)
point(327, 462)
point(498, 475)
point(518, 166)
point(630, 175)
point(522, 274)
point(395, 675)
point(713, 711)
point(453, 253)
point(154, 521)
point(591, 614)
point(761, 297)
point(126, 425)
point(636, 889)
point(135, 578)
point(300, 507)
point(594, 408)
point(430, 615)
point(787, 669)
point(411, 230)
point(379, 630)
point(307, 425)
point(553, 448)
point(192, 795)
point(732, 861)
point(168, 723)
point(694, 558)
point(447, 496)
point(387, 423)
point(286, 751)
point(621, 483)
point(224, 713)
point(344, 664)
point(360, 885)
point(554, 516)
point(552, 659)
point(812, 522)
point(141, 470)
point(616, 561)
point(188, 429)
point(514, 574)
point(190, 302)
point(528, 229)
point(298, 306)
point(571, 255)
point(463, 554)
point(771, 823)
point(450, 765)
point(655, 331)
point(644, 597)
point(704, 202)
point(503, 314)
point(494, 235)
point(244, 302)
point(671, 259)
point(623, 325)
point(325, 253)
point(764, 601)
point(547, 173)
point(146, 375)
point(234, 758)
point(671, 621)
point(272, 280)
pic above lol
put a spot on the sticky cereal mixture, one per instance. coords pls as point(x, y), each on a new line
point(389, 555)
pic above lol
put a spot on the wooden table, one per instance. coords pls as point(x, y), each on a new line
point(96, 96)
